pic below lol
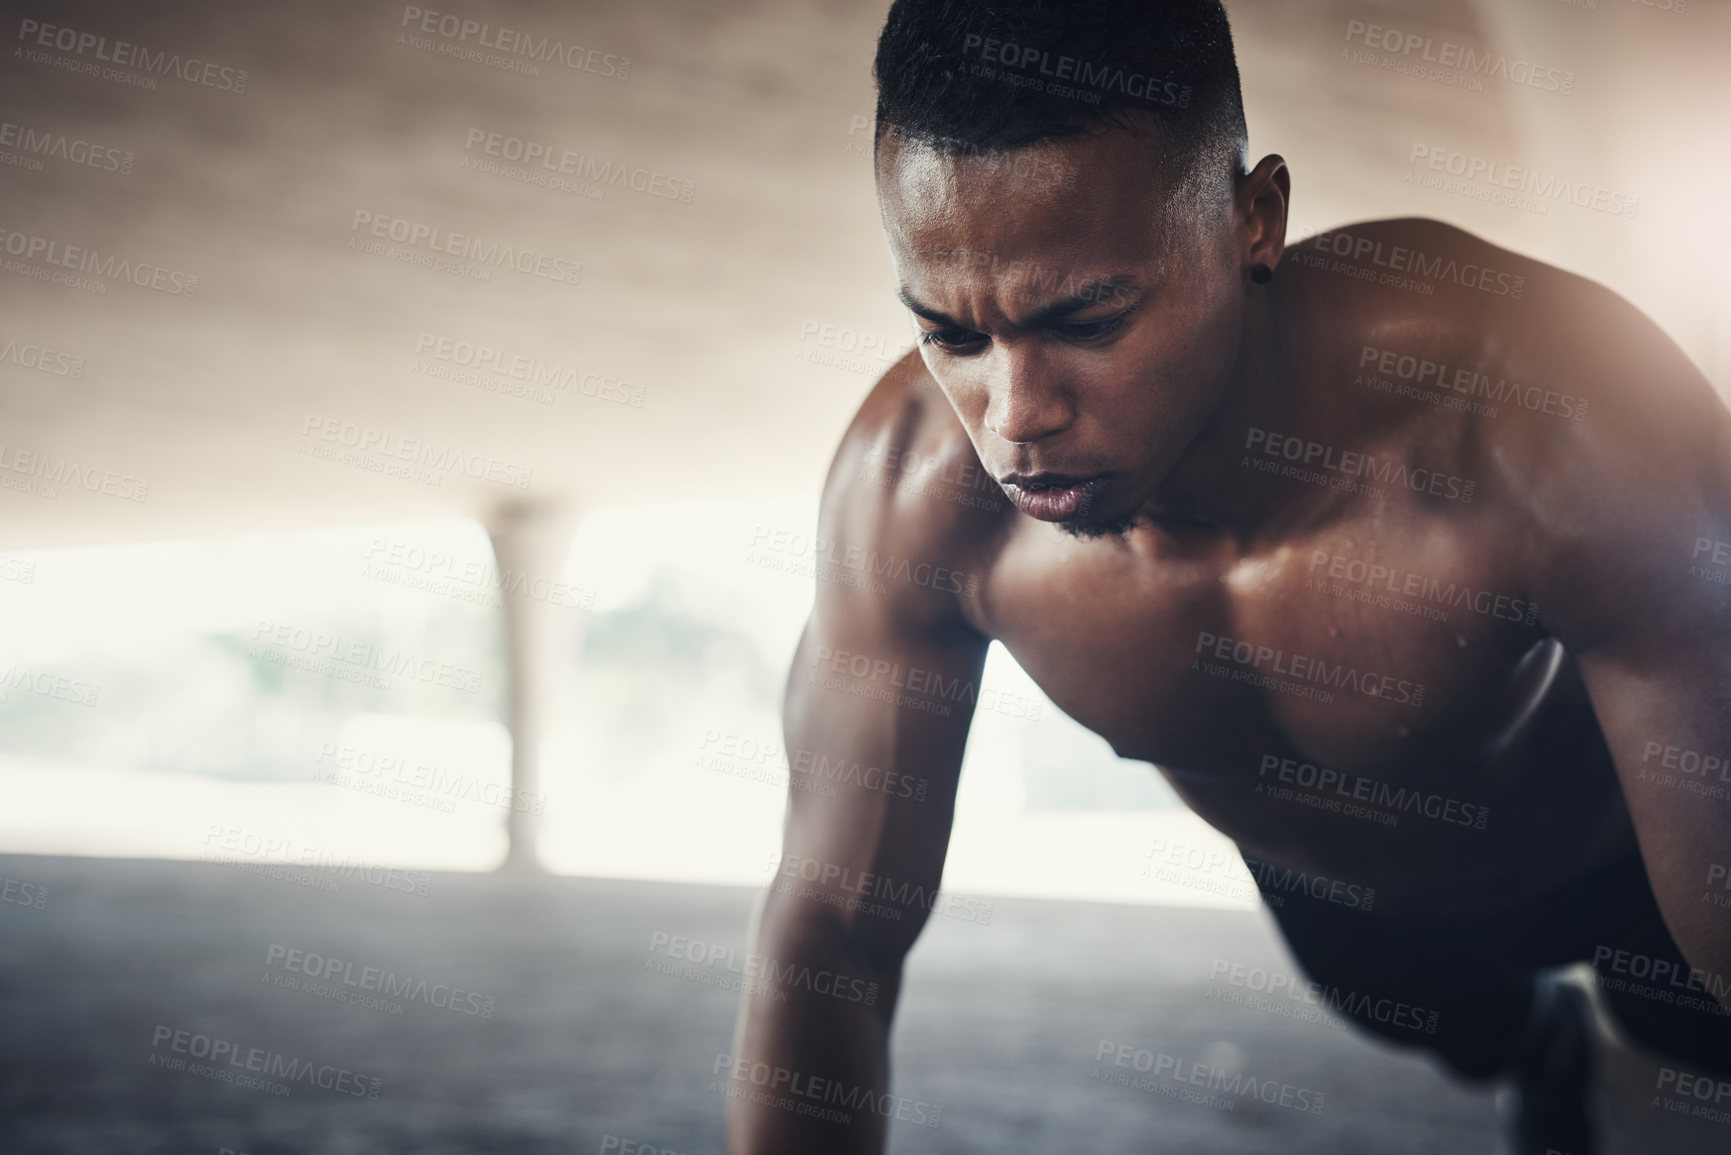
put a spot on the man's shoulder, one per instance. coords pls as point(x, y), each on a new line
point(1601, 451)
point(1417, 261)
point(1418, 295)
point(1594, 443)
point(1420, 268)
point(906, 486)
point(1532, 350)
point(1415, 236)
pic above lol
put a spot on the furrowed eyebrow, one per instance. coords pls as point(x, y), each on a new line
point(1088, 295)
point(927, 311)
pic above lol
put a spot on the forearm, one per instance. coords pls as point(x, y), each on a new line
point(804, 1060)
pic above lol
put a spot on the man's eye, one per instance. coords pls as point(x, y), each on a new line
point(1090, 330)
point(955, 340)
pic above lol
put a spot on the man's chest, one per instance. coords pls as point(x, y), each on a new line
point(1378, 647)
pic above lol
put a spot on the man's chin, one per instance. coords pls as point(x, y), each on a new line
point(1090, 529)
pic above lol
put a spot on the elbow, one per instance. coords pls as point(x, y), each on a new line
point(814, 927)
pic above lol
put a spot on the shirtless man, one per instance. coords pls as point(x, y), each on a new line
point(1390, 509)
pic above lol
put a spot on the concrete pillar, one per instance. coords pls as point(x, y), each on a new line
point(542, 629)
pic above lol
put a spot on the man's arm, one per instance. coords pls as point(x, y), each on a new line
point(1632, 540)
point(878, 706)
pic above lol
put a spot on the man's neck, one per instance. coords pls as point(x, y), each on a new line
point(1209, 483)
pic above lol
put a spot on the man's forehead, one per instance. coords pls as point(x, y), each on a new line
point(1051, 203)
point(1046, 163)
point(1094, 158)
point(920, 187)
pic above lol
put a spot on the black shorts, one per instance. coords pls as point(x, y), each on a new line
point(1464, 987)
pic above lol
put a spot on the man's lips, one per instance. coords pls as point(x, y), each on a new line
point(1054, 496)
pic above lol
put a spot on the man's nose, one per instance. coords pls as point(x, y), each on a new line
point(1024, 400)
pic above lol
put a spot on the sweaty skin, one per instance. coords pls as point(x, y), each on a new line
point(1463, 492)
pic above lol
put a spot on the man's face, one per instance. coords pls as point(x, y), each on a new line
point(1082, 333)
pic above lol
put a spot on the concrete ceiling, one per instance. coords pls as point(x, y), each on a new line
point(696, 310)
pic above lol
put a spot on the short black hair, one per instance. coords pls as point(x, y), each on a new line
point(993, 75)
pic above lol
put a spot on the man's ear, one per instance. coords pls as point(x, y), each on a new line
point(1262, 199)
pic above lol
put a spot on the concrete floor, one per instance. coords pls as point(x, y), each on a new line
point(999, 1025)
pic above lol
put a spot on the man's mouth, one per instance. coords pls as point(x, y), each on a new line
point(1055, 496)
